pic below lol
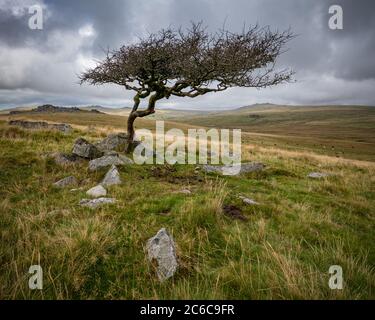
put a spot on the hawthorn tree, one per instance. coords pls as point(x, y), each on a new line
point(191, 63)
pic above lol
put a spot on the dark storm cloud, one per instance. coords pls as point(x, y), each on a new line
point(111, 21)
point(110, 18)
point(12, 28)
point(355, 44)
point(332, 66)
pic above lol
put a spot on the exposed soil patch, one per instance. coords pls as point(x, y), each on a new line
point(233, 212)
point(170, 174)
point(162, 171)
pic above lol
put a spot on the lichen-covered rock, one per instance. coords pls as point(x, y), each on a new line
point(108, 160)
point(68, 181)
point(112, 177)
point(85, 149)
point(114, 141)
point(161, 248)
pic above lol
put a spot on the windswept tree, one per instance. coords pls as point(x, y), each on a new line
point(191, 63)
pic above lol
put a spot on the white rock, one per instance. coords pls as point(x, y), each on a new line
point(94, 203)
point(161, 247)
point(76, 189)
point(317, 175)
point(97, 191)
point(235, 169)
point(185, 191)
point(248, 200)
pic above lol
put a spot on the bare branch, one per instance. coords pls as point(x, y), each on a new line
point(194, 62)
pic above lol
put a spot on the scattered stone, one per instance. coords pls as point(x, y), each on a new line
point(248, 200)
point(66, 159)
point(97, 191)
point(112, 177)
point(185, 191)
point(108, 160)
point(68, 181)
point(234, 169)
point(252, 167)
point(85, 149)
point(94, 203)
point(233, 212)
point(63, 127)
point(162, 248)
point(76, 189)
point(210, 168)
point(114, 141)
point(318, 175)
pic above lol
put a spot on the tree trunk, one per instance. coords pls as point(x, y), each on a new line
point(131, 118)
point(134, 114)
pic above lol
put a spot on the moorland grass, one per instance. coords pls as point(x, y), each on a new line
point(283, 251)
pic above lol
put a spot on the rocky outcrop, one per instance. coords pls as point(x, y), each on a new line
point(66, 128)
point(49, 108)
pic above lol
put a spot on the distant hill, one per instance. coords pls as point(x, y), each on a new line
point(107, 110)
point(299, 120)
point(160, 114)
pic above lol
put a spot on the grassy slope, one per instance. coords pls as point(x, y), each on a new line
point(345, 131)
point(284, 250)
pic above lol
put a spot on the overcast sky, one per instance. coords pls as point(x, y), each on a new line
point(41, 66)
